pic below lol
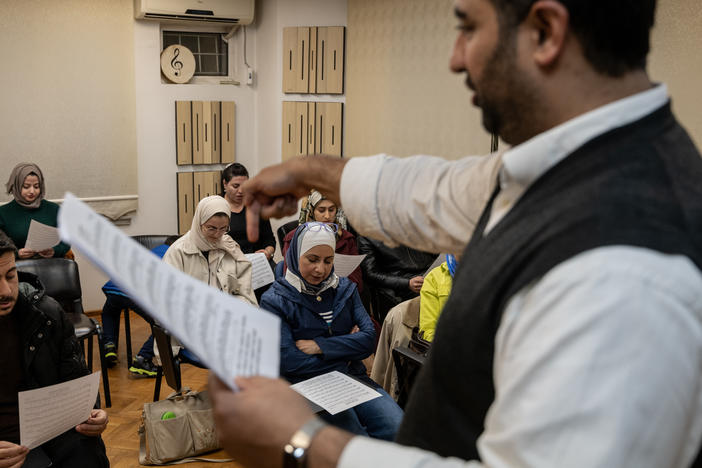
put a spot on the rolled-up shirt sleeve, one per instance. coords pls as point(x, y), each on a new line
point(423, 201)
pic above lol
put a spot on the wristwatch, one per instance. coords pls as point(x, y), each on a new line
point(295, 451)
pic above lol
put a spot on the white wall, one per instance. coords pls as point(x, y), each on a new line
point(258, 113)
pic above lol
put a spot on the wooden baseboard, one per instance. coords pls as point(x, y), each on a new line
point(93, 313)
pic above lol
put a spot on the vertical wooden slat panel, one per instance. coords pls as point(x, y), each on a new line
point(330, 74)
point(186, 202)
point(207, 132)
point(329, 128)
point(291, 63)
point(198, 128)
point(184, 152)
point(216, 132)
point(228, 131)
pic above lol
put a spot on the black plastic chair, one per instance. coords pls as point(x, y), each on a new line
point(62, 282)
point(283, 231)
point(170, 363)
point(149, 241)
point(408, 363)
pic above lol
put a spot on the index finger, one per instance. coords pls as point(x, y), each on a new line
point(253, 216)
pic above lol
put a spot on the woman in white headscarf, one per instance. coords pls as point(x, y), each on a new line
point(26, 185)
point(207, 253)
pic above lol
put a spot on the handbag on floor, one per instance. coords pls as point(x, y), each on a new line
point(177, 429)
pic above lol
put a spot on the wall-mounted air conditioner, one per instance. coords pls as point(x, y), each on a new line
point(233, 12)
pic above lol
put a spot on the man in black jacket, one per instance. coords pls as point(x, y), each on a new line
point(39, 348)
point(393, 274)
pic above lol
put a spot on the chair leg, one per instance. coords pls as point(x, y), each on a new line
point(103, 366)
point(128, 337)
point(90, 353)
point(157, 385)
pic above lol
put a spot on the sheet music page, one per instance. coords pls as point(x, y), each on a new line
point(231, 336)
point(47, 412)
point(345, 264)
point(262, 272)
point(41, 237)
point(335, 392)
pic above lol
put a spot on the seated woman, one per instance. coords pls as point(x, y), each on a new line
point(208, 254)
point(233, 176)
point(26, 185)
point(325, 328)
point(317, 208)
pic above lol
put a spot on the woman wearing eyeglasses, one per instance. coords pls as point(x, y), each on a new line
point(207, 253)
point(320, 209)
point(324, 328)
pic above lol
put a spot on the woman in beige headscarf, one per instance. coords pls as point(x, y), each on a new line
point(207, 253)
point(26, 185)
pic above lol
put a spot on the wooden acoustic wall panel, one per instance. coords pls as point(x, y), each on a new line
point(206, 129)
point(217, 182)
point(290, 59)
point(202, 185)
point(289, 133)
point(186, 201)
point(228, 133)
point(313, 61)
point(295, 129)
point(330, 64)
point(302, 79)
point(216, 120)
point(198, 127)
point(312, 130)
point(329, 125)
point(184, 143)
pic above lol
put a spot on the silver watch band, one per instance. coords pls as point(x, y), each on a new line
point(295, 451)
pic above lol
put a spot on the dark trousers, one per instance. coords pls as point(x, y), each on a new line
point(114, 304)
point(72, 450)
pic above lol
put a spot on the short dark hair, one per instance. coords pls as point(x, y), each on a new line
point(6, 244)
point(234, 170)
point(614, 34)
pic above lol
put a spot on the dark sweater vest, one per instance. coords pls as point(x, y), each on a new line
point(637, 185)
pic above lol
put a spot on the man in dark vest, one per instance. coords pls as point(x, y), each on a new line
point(573, 334)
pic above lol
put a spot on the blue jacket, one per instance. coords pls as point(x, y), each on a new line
point(341, 351)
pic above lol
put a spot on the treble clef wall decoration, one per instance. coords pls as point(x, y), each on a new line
point(175, 63)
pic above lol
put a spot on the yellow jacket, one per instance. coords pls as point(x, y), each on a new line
point(434, 293)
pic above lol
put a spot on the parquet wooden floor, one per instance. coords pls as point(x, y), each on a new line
point(128, 397)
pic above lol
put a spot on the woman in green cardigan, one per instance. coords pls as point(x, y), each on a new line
point(26, 185)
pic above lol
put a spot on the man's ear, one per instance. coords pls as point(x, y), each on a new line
point(549, 23)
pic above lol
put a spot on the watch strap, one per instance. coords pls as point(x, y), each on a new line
point(295, 451)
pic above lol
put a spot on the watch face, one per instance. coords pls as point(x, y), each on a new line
point(298, 453)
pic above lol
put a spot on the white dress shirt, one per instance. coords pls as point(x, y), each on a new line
point(598, 362)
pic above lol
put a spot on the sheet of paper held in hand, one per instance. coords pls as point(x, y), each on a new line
point(335, 392)
point(232, 337)
point(47, 412)
point(41, 237)
point(345, 264)
point(262, 273)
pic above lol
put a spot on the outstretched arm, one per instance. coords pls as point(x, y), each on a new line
point(274, 192)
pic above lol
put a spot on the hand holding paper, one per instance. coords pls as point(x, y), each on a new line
point(50, 411)
point(41, 237)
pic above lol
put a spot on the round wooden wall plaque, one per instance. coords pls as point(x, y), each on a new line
point(177, 63)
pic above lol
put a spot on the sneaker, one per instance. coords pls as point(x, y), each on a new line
point(110, 354)
point(143, 366)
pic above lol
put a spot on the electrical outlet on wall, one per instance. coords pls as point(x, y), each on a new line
point(249, 76)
